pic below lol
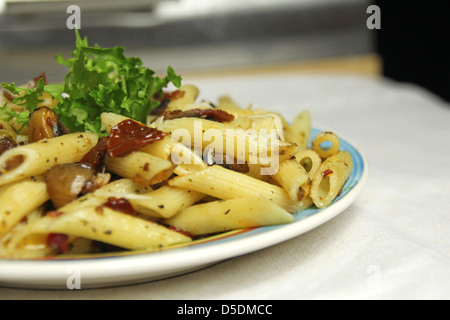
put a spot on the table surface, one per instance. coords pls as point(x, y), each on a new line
point(391, 243)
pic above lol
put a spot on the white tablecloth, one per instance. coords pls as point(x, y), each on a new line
point(392, 243)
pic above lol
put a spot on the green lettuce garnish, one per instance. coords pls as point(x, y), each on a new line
point(99, 80)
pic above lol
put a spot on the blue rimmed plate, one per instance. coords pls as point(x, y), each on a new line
point(133, 268)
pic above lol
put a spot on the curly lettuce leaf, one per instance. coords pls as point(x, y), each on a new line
point(99, 80)
point(104, 80)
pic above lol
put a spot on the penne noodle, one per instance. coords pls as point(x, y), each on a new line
point(36, 158)
point(244, 146)
point(226, 184)
point(330, 178)
point(162, 148)
point(163, 202)
point(293, 178)
point(301, 129)
point(109, 226)
point(20, 244)
point(326, 137)
point(309, 160)
point(110, 120)
point(226, 215)
point(189, 96)
point(18, 200)
point(140, 167)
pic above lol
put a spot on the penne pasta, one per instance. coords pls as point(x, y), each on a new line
point(226, 184)
point(20, 244)
point(301, 129)
point(18, 200)
point(140, 167)
point(110, 120)
point(188, 96)
point(226, 215)
point(293, 177)
point(36, 158)
point(309, 160)
point(323, 138)
point(330, 178)
point(112, 227)
point(245, 146)
point(163, 202)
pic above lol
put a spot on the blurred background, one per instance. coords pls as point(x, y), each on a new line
point(233, 37)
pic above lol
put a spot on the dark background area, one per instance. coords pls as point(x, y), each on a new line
point(414, 43)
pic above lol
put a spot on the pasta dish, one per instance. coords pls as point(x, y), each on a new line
point(118, 159)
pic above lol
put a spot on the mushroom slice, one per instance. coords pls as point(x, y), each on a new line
point(44, 123)
point(66, 182)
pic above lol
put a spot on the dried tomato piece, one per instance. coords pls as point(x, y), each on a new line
point(96, 156)
point(121, 205)
point(177, 94)
point(58, 242)
point(183, 232)
point(129, 136)
point(326, 173)
point(210, 114)
point(161, 108)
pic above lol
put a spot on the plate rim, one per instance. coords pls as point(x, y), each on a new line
point(98, 271)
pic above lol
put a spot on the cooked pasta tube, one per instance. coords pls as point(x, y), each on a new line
point(301, 129)
point(160, 148)
point(226, 215)
point(110, 120)
point(36, 158)
point(19, 244)
point(19, 199)
point(121, 187)
point(226, 103)
point(87, 200)
point(227, 184)
point(254, 171)
point(330, 178)
point(324, 137)
point(163, 202)
point(244, 145)
point(185, 159)
point(309, 160)
point(293, 178)
point(189, 96)
point(25, 244)
point(109, 226)
point(140, 167)
point(271, 122)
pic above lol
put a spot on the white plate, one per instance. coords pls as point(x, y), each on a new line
point(114, 270)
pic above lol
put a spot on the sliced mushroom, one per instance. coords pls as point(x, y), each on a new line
point(44, 123)
point(67, 182)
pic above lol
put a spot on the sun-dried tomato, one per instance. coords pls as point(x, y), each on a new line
point(58, 242)
point(129, 136)
point(210, 114)
point(121, 205)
